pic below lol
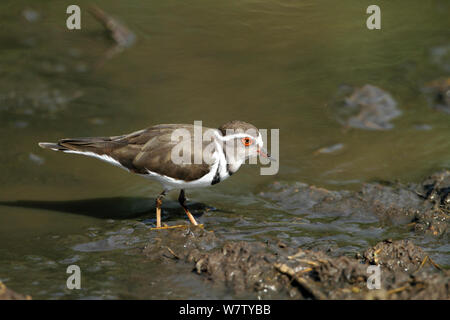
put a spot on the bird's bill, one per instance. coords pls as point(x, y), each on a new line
point(263, 153)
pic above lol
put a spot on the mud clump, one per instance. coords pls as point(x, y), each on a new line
point(318, 276)
point(437, 189)
point(396, 256)
point(279, 271)
point(8, 294)
point(368, 107)
point(177, 244)
point(435, 192)
point(240, 266)
point(407, 276)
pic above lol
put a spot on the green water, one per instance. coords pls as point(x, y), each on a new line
point(276, 64)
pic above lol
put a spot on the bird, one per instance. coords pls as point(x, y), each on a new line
point(173, 155)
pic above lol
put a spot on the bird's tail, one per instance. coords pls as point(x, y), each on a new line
point(99, 145)
point(52, 146)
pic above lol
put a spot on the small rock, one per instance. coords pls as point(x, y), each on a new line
point(369, 108)
point(438, 92)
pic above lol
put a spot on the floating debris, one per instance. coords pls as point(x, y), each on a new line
point(330, 149)
point(119, 32)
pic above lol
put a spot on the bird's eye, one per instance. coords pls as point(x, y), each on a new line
point(247, 141)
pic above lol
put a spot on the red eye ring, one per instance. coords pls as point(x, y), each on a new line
point(247, 141)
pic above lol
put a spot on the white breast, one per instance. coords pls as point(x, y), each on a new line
point(170, 183)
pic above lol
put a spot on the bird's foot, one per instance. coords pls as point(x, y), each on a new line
point(182, 226)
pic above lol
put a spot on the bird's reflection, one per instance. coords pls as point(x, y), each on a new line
point(109, 208)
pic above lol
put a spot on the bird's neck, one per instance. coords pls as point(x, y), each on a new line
point(233, 166)
point(230, 161)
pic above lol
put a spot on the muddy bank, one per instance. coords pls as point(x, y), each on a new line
point(8, 294)
point(422, 208)
point(273, 269)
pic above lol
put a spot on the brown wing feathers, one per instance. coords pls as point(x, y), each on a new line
point(140, 151)
point(99, 145)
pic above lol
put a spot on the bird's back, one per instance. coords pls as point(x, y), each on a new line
point(142, 151)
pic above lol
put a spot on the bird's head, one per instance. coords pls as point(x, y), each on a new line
point(242, 140)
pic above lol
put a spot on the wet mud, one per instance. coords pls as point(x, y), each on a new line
point(423, 207)
point(277, 270)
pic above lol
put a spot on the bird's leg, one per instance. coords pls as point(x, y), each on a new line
point(182, 201)
point(158, 208)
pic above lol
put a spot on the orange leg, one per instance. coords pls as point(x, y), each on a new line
point(158, 208)
point(182, 201)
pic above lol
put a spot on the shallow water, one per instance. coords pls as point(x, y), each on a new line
point(276, 64)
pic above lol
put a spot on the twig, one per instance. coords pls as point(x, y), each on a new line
point(173, 253)
point(304, 285)
point(427, 258)
point(397, 290)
